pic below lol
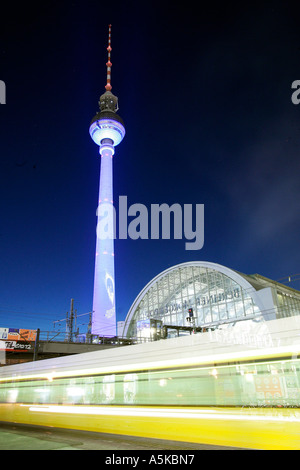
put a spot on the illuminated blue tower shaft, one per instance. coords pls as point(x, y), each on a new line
point(104, 309)
point(107, 131)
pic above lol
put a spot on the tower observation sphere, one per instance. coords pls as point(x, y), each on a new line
point(107, 131)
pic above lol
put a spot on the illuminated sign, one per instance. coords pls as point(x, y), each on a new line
point(200, 301)
point(149, 328)
point(143, 325)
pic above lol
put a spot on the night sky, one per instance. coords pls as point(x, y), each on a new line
point(205, 95)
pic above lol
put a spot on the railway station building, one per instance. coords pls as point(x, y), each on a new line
point(206, 295)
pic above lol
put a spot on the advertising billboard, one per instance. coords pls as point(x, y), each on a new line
point(17, 334)
point(16, 339)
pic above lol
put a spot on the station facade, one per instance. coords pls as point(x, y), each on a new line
point(206, 295)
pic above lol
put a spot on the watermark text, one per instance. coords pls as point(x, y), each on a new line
point(2, 92)
point(296, 94)
point(160, 222)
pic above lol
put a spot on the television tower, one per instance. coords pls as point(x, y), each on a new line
point(107, 130)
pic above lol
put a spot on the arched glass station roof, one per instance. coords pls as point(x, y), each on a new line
point(216, 294)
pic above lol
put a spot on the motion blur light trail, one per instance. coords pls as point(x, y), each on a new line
point(268, 429)
point(194, 389)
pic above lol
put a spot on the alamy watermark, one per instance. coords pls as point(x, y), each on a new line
point(296, 94)
point(2, 92)
point(160, 222)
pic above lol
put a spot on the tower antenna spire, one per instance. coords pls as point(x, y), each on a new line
point(108, 86)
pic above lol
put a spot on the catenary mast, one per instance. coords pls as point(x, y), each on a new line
point(107, 130)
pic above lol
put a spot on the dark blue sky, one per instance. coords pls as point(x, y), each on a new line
point(206, 100)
